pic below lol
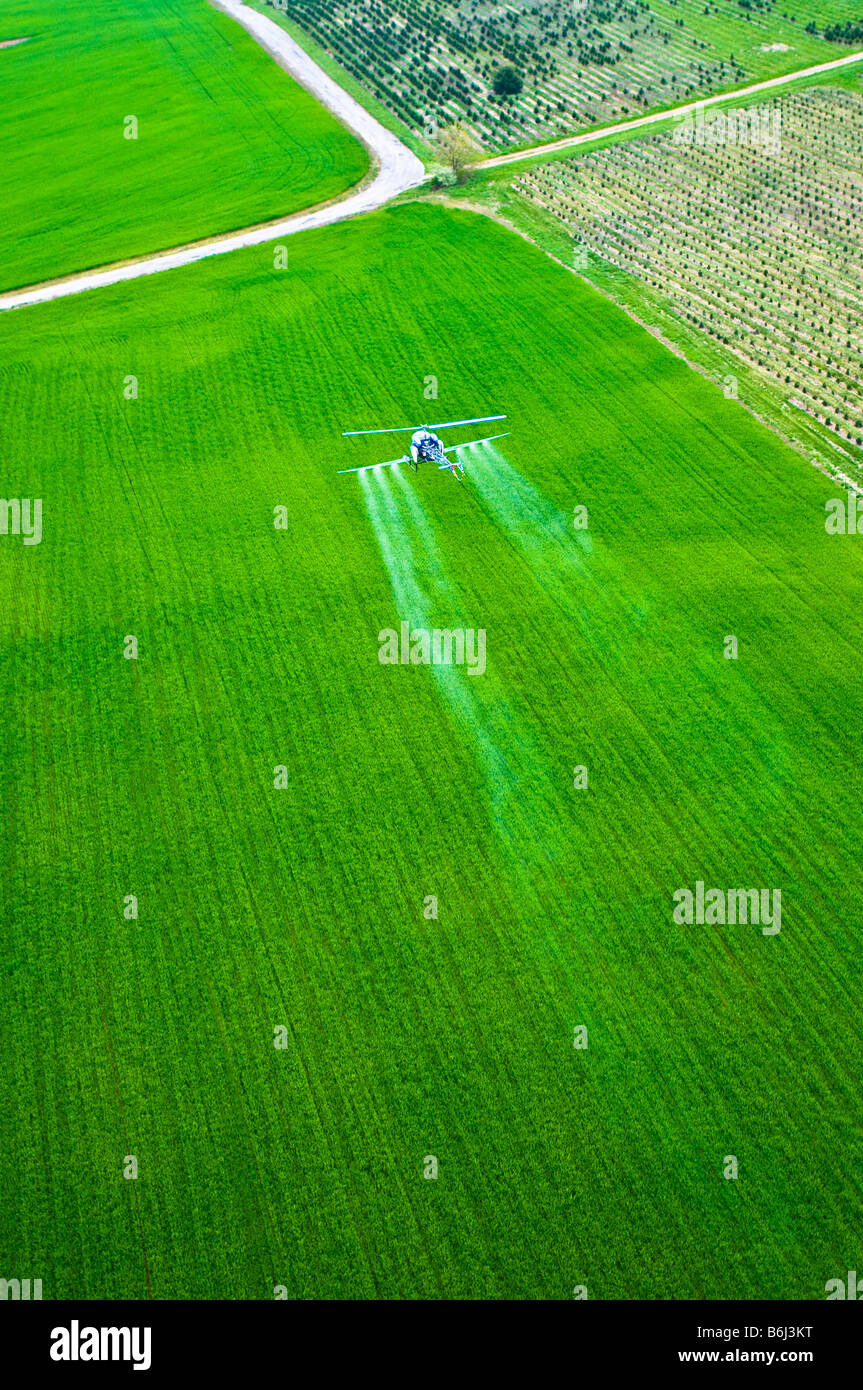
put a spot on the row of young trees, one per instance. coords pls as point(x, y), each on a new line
point(512, 70)
point(759, 248)
point(849, 32)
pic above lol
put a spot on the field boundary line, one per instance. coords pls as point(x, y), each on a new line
point(835, 474)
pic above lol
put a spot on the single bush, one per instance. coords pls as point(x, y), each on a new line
point(507, 82)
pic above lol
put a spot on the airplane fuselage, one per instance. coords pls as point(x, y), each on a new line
point(426, 448)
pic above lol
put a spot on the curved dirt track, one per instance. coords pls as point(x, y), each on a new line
point(653, 118)
point(397, 169)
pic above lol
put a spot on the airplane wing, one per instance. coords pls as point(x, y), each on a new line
point(441, 425)
point(396, 429)
point(390, 463)
point(451, 448)
point(451, 424)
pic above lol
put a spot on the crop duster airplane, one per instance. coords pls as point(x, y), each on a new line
point(425, 447)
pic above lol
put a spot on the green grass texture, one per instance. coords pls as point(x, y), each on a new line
point(303, 907)
point(226, 138)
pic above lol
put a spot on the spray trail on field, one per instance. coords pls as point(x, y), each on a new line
point(397, 552)
point(543, 535)
point(426, 597)
point(434, 567)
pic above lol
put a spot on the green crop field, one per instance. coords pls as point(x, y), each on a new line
point(225, 139)
point(304, 907)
